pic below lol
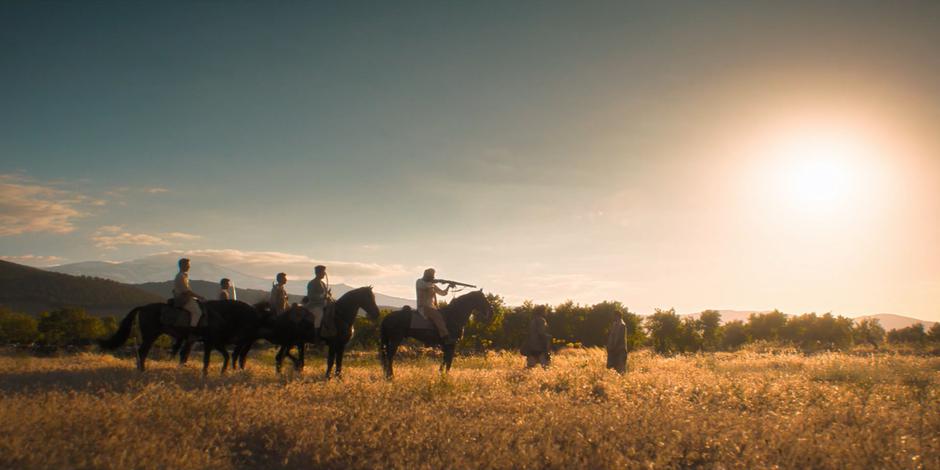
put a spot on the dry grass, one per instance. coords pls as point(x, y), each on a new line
point(742, 410)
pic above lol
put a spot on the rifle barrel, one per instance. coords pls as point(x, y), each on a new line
point(462, 284)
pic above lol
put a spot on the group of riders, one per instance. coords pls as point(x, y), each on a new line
point(316, 303)
point(317, 309)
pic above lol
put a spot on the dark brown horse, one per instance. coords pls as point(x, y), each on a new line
point(397, 326)
point(287, 333)
point(228, 321)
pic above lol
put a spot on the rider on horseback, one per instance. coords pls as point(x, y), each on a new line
point(427, 292)
point(318, 295)
point(278, 299)
point(183, 296)
point(225, 289)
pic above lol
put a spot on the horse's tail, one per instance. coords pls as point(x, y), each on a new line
point(124, 331)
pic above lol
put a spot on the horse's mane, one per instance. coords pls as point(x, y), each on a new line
point(467, 297)
point(354, 293)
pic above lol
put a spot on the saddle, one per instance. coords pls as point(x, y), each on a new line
point(175, 316)
point(418, 321)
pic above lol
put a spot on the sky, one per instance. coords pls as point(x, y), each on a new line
point(685, 154)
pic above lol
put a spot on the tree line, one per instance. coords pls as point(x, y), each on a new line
point(570, 324)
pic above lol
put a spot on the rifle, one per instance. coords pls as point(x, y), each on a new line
point(454, 283)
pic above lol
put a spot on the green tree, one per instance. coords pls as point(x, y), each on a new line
point(664, 328)
point(516, 325)
point(366, 335)
point(592, 332)
point(17, 328)
point(869, 331)
point(479, 336)
point(734, 335)
point(934, 333)
point(68, 326)
point(636, 337)
point(913, 334)
point(710, 321)
point(766, 326)
point(690, 335)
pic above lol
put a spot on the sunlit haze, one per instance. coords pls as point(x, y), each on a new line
point(732, 155)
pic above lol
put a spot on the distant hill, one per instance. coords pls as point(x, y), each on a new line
point(211, 290)
point(157, 268)
point(33, 290)
point(154, 273)
point(890, 321)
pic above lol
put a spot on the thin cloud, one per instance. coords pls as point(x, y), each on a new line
point(109, 241)
point(180, 236)
point(27, 206)
point(267, 263)
point(156, 190)
point(110, 237)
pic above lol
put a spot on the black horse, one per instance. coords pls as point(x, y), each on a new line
point(227, 322)
point(287, 333)
point(397, 326)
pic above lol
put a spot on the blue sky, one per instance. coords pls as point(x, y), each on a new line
point(543, 150)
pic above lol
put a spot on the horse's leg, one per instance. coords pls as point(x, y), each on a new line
point(207, 352)
point(177, 348)
point(243, 355)
point(186, 349)
point(390, 354)
point(220, 347)
point(144, 349)
point(301, 349)
point(279, 359)
point(449, 350)
point(340, 349)
point(330, 357)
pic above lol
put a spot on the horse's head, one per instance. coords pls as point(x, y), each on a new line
point(477, 302)
point(364, 298)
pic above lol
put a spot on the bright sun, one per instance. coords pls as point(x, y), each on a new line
point(819, 169)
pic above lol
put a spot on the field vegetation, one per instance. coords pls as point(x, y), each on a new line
point(747, 409)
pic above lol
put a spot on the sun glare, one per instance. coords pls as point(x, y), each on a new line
point(819, 169)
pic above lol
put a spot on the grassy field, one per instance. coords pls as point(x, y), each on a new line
point(743, 410)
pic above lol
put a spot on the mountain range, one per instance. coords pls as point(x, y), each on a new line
point(33, 290)
point(153, 273)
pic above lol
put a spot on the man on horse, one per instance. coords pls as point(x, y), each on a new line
point(278, 299)
point(427, 292)
point(318, 295)
point(225, 286)
point(183, 296)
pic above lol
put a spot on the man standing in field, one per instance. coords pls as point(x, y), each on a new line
point(538, 345)
point(183, 296)
point(427, 292)
point(617, 343)
point(225, 286)
point(278, 300)
point(318, 294)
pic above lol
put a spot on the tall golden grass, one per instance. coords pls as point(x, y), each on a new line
point(742, 410)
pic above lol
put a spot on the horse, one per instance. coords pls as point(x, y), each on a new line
point(287, 333)
point(397, 326)
point(227, 322)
